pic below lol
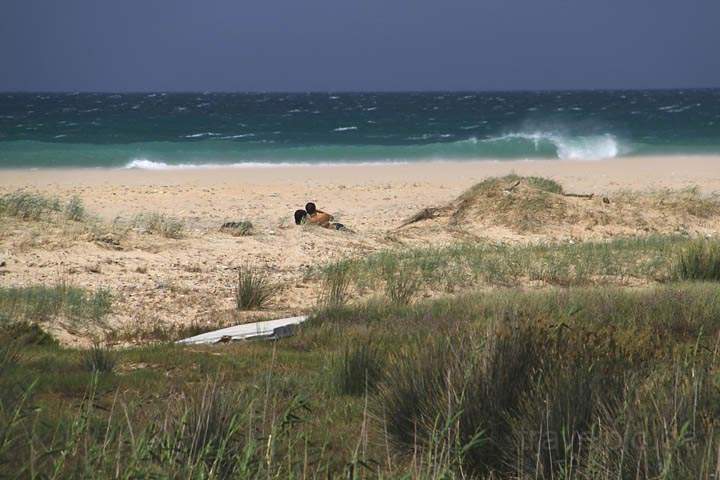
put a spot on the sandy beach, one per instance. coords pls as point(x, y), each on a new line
point(190, 279)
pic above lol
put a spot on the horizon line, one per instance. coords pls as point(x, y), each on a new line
point(320, 92)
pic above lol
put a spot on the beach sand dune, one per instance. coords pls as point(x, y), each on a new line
point(162, 281)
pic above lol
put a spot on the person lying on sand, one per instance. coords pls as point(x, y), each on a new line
point(320, 218)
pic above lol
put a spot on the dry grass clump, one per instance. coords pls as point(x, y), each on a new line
point(29, 206)
point(159, 224)
point(688, 202)
point(401, 283)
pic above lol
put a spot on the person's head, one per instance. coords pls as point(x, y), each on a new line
point(300, 216)
point(310, 208)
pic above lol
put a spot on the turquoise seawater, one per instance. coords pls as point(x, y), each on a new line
point(172, 130)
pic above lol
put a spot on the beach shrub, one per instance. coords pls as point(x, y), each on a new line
point(253, 290)
point(75, 209)
point(699, 261)
point(356, 370)
point(159, 224)
point(28, 206)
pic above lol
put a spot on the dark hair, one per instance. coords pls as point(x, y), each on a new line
point(300, 216)
point(310, 207)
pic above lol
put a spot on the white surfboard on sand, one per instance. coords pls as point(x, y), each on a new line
point(270, 330)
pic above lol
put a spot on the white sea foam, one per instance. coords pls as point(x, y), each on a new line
point(203, 134)
point(145, 164)
point(590, 147)
point(242, 135)
point(344, 129)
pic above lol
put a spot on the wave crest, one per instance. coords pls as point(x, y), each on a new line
point(581, 147)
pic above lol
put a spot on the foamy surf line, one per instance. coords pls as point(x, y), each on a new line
point(143, 164)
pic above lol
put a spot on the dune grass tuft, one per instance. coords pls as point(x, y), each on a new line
point(253, 290)
point(335, 285)
point(401, 283)
point(99, 359)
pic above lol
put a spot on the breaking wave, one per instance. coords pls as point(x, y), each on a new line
point(590, 147)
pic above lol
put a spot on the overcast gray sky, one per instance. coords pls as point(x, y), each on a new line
point(332, 45)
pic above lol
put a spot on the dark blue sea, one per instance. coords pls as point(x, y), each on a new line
point(186, 130)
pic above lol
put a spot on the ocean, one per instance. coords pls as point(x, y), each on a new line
point(205, 130)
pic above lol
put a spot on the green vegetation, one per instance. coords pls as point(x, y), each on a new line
point(99, 359)
point(357, 370)
point(159, 224)
point(464, 265)
point(75, 210)
point(41, 304)
point(573, 383)
point(74, 220)
point(253, 290)
point(335, 285)
point(34, 206)
point(401, 283)
point(699, 261)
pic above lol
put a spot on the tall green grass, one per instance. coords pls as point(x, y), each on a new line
point(357, 369)
point(460, 266)
point(335, 286)
point(561, 383)
point(699, 261)
point(99, 359)
point(42, 303)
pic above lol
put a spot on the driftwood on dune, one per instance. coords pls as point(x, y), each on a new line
point(579, 195)
point(424, 214)
point(511, 187)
